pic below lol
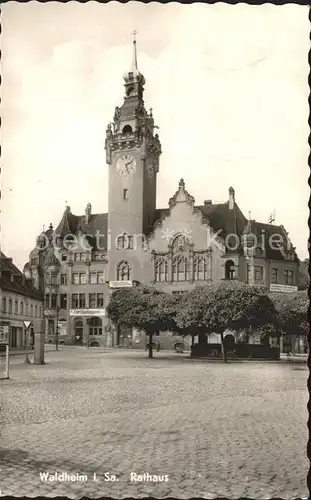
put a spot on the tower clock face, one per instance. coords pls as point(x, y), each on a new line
point(126, 165)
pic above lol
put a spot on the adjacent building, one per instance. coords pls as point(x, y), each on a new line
point(175, 248)
point(19, 301)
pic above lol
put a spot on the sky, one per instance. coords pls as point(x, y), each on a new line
point(228, 85)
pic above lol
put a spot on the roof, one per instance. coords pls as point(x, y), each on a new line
point(222, 219)
point(228, 221)
point(16, 286)
point(73, 224)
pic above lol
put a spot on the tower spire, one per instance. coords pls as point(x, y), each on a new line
point(134, 51)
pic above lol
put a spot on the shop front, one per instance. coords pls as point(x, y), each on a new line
point(89, 327)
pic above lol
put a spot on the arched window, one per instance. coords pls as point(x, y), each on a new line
point(127, 129)
point(179, 243)
point(180, 268)
point(161, 270)
point(199, 268)
point(230, 270)
point(124, 272)
point(95, 326)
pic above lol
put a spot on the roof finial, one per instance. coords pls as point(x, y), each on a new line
point(249, 215)
point(134, 50)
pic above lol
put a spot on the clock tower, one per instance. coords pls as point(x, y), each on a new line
point(132, 155)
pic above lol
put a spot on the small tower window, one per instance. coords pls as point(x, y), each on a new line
point(125, 194)
point(127, 129)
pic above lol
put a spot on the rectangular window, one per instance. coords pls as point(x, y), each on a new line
point(131, 242)
point(10, 306)
point(36, 311)
point(93, 278)
point(16, 307)
point(77, 257)
point(31, 310)
point(120, 242)
point(63, 301)
point(288, 277)
point(161, 270)
point(75, 300)
point(4, 305)
point(64, 257)
point(47, 301)
point(75, 279)
point(54, 279)
point(83, 257)
point(92, 300)
point(81, 300)
point(82, 278)
point(100, 300)
point(63, 279)
point(53, 300)
point(22, 308)
point(100, 277)
point(258, 273)
point(274, 275)
point(125, 194)
point(180, 268)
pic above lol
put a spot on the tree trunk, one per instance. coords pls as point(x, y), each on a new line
point(150, 355)
point(223, 349)
point(202, 339)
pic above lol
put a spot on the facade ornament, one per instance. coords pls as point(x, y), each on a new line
point(181, 195)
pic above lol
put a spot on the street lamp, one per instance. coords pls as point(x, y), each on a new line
point(27, 326)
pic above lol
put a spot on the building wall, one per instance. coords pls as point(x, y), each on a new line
point(28, 309)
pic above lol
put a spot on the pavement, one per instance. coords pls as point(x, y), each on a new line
point(215, 430)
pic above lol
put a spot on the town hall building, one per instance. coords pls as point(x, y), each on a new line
point(175, 248)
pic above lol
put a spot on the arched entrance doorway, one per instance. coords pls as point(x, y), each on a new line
point(230, 270)
point(79, 331)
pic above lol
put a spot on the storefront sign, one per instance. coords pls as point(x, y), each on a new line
point(4, 334)
point(120, 284)
point(283, 288)
point(87, 312)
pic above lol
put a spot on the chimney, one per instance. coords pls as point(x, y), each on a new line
point(208, 202)
point(231, 198)
point(88, 213)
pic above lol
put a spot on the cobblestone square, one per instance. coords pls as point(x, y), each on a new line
point(235, 430)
